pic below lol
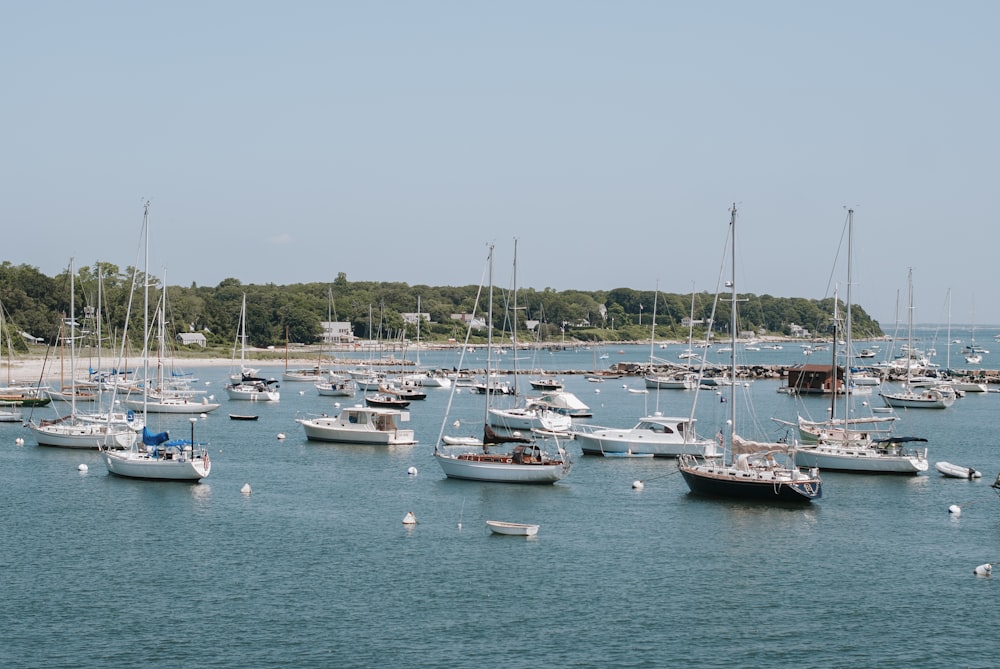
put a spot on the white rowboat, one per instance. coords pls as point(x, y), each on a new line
point(513, 529)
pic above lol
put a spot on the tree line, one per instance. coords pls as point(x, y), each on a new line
point(38, 304)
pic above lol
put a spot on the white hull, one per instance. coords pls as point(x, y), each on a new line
point(83, 435)
point(861, 459)
point(173, 405)
point(530, 419)
point(656, 435)
point(250, 394)
point(140, 465)
point(957, 471)
point(512, 529)
point(501, 472)
point(360, 425)
point(913, 400)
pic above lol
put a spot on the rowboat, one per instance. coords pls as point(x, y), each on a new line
point(512, 529)
point(236, 416)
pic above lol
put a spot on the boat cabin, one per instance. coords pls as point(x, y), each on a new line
point(806, 379)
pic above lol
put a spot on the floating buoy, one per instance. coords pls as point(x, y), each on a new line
point(955, 510)
point(207, 383)
point(19, 441)
point(597, 390)
point(457, 424)
point(204, 415)
point(983, 570)
point(246, 489)
point(281, 435)
point(302, 392)
point(412, 471)
point(409, 518)
point(336, 404)
point(82, 467)
point(624, 385)
point(638, 485)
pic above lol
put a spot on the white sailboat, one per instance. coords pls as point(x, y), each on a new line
point(846, 444)
point(525, 462)
point(520, 416)
point(74, 431)
point(909, 397)
point(248, 386)
point(755, 471)
point(156, 456)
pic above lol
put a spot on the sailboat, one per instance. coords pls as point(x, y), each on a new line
point(158, 457)
point(916, 398)
point(524, 462)
point(678, 379)
point(754, 470)
point(845, 444)
point(174, 396)
point(521, 416)
point(73, 430)
point(333, 383)
point(249, 386)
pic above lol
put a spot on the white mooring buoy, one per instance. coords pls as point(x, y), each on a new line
point(955, 510)
point(409, 518)
point(638, 485)
point(281, 435)
point(983, 570)
point(412, 471)
point(246, 489)
point(82, 467)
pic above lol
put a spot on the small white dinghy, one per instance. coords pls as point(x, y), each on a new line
point(513, 529)
point(957, 471)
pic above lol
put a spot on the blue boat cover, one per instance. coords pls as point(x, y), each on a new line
point(151, 439)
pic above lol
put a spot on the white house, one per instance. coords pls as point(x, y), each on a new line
point(337, 332)
point(191, 339)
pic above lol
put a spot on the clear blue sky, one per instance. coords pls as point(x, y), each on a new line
point(284, 142)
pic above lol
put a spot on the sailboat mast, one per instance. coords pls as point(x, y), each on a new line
point(513, 323)
point(847, 325)
point(72, 337)
point(732, 331)
point(145, 313)
point(489, 347)
point(909, 332)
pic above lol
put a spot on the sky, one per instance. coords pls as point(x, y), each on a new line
point(287, 142)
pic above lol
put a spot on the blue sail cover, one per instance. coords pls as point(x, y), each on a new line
point(151, 439)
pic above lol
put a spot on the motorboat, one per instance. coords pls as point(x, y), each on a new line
point(655, 435)
point(361, 425)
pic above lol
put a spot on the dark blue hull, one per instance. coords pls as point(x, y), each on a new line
point(768, 491)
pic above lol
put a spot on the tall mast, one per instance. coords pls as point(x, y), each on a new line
point(847, 325)
point(513, 323)
point(145, 313)
point(72, 337)
point(489, 346)
point(732, 332)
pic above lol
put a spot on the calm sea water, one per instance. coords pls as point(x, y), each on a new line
point(316, 569)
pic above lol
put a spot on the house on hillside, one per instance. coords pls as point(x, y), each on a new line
point(337, 332)
point(192, 339)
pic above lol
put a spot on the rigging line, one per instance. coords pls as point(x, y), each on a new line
point(661, 476)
